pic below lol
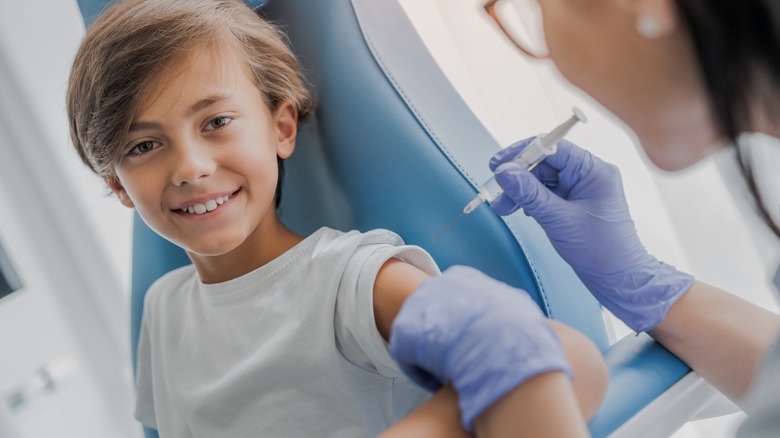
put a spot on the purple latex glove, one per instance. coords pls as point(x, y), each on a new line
point(480, 334)
point(578, 199)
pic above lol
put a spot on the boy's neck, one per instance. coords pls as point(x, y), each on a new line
point(269, 241)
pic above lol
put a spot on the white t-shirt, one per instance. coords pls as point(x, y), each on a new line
point(289, 350)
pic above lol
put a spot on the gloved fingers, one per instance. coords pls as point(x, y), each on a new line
point(568, 155)
point(574, 173)
point(425, 316)
point(559, 172)
point(410, 328)
point(504, 205)
point(550, 178)
point(533, 352)
point(525, 190)
point(508, 153)
point(546, 173)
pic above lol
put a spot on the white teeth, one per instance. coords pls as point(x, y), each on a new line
point(210, 205)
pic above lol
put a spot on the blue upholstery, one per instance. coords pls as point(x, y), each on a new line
point(91, 9)
point(392, 145)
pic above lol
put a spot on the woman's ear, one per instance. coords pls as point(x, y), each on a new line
point(120, 192)
point(286, 124)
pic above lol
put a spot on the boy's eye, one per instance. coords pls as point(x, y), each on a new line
point(142, 148)
point(218, 123)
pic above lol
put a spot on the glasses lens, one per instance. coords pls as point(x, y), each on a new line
point(522, 20)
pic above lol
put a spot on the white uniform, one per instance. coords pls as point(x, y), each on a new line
point(290, 349)
point(763, 403)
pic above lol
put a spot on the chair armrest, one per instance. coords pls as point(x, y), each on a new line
point(640, 370)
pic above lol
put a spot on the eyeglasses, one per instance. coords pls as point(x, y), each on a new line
point(521, 22)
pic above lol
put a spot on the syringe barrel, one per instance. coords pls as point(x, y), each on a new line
point(490, 189)
point(535, 153)
point(528, 158)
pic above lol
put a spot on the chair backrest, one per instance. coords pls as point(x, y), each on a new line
point(393, 145)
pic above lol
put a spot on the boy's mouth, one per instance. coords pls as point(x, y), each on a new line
point(206, 206)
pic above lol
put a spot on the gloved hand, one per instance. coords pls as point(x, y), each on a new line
point(480, 334)
point(578, 199)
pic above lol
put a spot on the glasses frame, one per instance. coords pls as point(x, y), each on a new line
point(491, 10)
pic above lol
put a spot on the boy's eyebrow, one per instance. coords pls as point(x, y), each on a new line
point(206, 102)
point(198, 106)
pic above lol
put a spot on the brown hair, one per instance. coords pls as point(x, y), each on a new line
point(132, 41)
point(736, 44)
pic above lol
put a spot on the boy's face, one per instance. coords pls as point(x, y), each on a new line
point(200, 161)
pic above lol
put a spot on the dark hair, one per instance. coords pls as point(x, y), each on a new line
point(133, 40)
point(738, 47)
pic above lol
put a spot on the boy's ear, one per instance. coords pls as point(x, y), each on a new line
point(120, 192)
point(286, 124)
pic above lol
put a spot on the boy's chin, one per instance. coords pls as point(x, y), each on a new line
point(211, 247)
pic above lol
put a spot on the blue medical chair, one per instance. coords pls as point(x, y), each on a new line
point(392, 145)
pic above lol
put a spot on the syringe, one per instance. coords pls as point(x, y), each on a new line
point(542, 147)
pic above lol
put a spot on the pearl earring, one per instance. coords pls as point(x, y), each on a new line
point(648, 26)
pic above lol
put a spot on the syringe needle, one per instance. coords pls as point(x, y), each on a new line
point(448, 226)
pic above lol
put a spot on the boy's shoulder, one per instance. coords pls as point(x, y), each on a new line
point(330, 239)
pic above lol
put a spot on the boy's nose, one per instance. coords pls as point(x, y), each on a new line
point(192, 162)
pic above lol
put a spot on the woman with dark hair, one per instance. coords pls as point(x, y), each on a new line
point(689, 77)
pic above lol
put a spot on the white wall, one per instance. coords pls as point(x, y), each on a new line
point(69, 241)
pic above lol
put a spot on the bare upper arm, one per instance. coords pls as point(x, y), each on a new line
point(395, 281)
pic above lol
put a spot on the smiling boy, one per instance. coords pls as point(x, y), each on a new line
point(187, 109)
